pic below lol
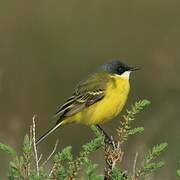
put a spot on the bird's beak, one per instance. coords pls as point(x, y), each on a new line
point(135, 68)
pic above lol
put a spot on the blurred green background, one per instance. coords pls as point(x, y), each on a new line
point(46, 47)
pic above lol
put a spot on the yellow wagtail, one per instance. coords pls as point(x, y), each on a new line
point(98, 99)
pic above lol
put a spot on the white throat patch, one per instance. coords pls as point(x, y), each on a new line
point(125, 75)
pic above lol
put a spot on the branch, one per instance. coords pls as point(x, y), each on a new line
point(54, 150)
point(113, 155)
point(34, 145)
point(134, 167)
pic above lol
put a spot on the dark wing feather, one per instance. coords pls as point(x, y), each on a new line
point(87, 93)
point(79, 102)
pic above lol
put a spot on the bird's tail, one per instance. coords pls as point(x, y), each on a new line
point(44, 136)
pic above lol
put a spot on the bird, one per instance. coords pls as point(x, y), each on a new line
point(97, 99)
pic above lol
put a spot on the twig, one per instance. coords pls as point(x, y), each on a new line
point(40, 157)
point(52, 170)
point(113, 155)
point(28, 164)
point(134, 167)
point(31, 133)
point(54, 150)
point(34, 145)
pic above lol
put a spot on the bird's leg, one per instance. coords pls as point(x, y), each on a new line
point(108, 139)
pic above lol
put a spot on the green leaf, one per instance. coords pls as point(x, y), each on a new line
point(15, 169)
point(157, 150)
point(145, 103)
point(136, 130)
point(7, 149)
point(117, 174)
point(148, 166)
point(93, 145)
point(125, 129)
point(151, 167)
point(90, 169)
point(96, 131)
point(178, 173)
point(65, 155)
point(27, 145)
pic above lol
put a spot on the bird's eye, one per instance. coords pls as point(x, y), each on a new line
point(120, 70)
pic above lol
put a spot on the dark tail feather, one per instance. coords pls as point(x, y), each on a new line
point(44, 136)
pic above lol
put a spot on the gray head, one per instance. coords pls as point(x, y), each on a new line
point(116, 67)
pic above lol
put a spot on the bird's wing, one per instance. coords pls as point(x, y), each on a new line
point(87, 93)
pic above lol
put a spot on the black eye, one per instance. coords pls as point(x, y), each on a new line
point(120, 70)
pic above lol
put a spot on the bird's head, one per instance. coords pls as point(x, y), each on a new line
point(118, 68)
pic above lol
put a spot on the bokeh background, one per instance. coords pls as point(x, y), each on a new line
point(46, 47)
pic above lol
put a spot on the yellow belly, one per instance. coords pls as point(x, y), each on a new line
point(107, 108)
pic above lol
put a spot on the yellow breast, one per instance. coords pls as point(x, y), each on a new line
point(109, 107)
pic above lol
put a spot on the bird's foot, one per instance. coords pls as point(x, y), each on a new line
point(112, 142)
